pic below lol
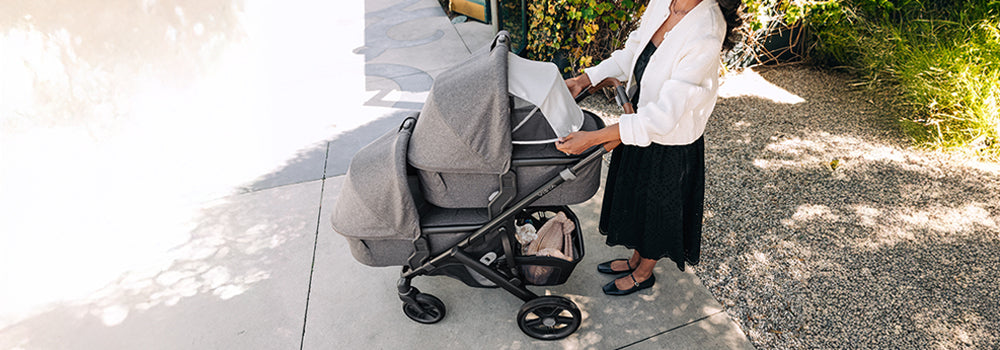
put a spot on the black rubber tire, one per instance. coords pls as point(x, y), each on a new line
point(549, 318)
point(428, 309)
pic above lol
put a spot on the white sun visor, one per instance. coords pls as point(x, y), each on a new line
point(541, 84)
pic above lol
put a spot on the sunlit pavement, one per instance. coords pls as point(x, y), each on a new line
point(128, 131)
point(167, 170)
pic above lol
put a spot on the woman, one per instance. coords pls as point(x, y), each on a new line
point(654, 194)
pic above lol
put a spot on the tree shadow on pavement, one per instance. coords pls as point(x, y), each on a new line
point(239, 281)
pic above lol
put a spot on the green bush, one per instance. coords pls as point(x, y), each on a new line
point(771, 32)
point(943, 56)
point(579, 32)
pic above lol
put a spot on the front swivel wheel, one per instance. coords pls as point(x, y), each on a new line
point(427, 309)
point(549, 318)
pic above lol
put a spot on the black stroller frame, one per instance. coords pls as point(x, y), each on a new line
point(435, 218)
point(541, 317)
point(555, 317)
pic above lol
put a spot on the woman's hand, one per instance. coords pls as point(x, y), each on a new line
point(575, 143)
point(577, 84)
point(578, 142)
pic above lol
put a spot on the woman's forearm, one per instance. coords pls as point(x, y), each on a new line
point(608, 134)
point(612, 136)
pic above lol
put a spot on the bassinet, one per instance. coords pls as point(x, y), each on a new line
point(463, 141)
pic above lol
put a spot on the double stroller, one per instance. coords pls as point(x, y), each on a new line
point(449, 192)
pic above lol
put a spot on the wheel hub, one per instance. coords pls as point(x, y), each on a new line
point(549, 318)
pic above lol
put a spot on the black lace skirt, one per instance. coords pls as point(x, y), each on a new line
point(654, 200)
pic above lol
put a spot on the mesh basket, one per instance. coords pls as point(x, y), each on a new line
point(545, 270)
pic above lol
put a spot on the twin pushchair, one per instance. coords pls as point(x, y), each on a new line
point(449, 192)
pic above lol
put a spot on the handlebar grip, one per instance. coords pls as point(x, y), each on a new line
point(620, 95)
point(622, 98)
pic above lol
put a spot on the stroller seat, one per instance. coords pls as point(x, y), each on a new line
point(437, 219)
point(445, 227)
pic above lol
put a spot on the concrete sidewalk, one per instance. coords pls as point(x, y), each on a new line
point(167, 246)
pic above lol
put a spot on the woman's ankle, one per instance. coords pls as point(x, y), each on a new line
point(635, 260)
point(645, 269)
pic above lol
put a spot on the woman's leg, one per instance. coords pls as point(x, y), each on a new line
point(619, 265)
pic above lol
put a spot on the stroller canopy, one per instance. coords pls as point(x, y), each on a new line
point(375, 202)
point(465, 125)
point(541, 84)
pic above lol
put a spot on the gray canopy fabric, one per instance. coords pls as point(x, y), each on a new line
point(464, 126)
point(375, 202)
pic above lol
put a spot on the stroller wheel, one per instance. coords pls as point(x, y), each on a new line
point(428, 309)
point(549, 318)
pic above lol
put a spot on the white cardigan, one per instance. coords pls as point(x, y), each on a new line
point(681, 81)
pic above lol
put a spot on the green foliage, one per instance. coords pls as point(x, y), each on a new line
point(580, 31)
point(943, 56)
point(583, 32)
point(762, 14)
point(773, 31)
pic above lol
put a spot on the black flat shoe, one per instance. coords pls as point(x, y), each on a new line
point(612, 289)
point(605, 267)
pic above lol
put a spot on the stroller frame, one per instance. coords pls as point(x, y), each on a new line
point(541, 317)
point(463, 231)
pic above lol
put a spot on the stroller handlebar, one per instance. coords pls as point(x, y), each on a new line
point(621, 97)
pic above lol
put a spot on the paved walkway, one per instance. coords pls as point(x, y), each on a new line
point(191, 210)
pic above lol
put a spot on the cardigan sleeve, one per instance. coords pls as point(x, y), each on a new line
point(690, 86)
point(616, 66)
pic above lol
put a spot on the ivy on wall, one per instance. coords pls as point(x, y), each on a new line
point(579, 33)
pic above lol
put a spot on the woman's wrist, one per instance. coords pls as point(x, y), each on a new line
point(610, 134)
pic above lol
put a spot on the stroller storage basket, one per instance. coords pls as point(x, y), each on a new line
point(547, 270)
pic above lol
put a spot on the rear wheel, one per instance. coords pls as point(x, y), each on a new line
point(428, 309)
point(549, 318)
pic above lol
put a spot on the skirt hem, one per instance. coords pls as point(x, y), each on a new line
point(680, 263)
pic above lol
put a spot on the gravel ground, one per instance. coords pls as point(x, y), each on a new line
point(825, 229)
